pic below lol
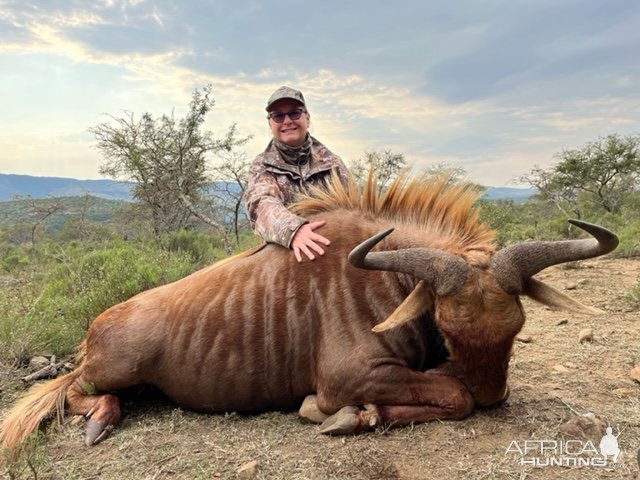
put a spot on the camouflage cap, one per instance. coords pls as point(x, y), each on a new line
point(285, 92)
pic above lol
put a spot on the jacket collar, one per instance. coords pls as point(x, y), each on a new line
point(317, 163)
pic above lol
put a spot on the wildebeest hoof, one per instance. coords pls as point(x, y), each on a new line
point(96, 433)
point(344, 421)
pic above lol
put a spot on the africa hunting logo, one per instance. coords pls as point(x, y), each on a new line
point(567, 453)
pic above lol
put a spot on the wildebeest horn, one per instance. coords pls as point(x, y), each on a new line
point(445, 272)
point(513, 265)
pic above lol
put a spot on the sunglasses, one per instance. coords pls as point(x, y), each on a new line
point(279, 117)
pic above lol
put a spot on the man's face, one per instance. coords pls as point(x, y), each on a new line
point(290, 132)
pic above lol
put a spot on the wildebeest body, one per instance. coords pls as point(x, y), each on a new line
point(260, 331)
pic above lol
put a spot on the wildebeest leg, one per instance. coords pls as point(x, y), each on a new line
point(396, 396)
point(345, 420)
point(348, 419)
point(352, 420)
point(101, 409)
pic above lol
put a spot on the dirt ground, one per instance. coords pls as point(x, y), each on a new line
point(554, 377)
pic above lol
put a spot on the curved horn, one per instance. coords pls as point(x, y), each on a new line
point(515, 264)
point(445, 272)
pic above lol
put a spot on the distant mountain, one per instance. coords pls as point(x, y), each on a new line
point(517, 195)
point(42, 187)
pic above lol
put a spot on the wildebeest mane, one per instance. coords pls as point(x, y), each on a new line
point(444, 208)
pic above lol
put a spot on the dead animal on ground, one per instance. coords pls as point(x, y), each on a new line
point(260, 332)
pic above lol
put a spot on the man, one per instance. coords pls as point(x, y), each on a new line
point(292, 161)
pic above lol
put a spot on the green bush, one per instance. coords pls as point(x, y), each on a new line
point(198, 245)
point(13, 258)
point(626, 224)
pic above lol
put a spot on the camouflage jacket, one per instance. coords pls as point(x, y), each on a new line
point(275, 183)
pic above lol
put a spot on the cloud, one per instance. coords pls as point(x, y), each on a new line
point(491, 86)
point(539, 41)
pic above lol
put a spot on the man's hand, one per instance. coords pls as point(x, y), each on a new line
point(307, 241)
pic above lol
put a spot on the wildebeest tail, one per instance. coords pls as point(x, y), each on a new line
point(41, 402)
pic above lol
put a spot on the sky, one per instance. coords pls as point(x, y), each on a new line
point(495, 87)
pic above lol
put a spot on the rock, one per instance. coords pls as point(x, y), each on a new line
point(584, 427)
point(562, 321)
point(36, 363)
point(248, 470)
point(524, 338)
point(560, 369)
point(585, 335)
point(635, 374)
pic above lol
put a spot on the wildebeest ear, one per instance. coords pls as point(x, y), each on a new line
point(549, 296)
point(416, 303)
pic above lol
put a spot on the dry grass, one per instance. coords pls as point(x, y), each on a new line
point(158, 441)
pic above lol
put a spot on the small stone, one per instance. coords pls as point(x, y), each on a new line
point(635, 374)
point(36, 363)
point(584, 427)
point(524, 338)
point(585, 335)
point(248, 470)
point(560, 369)
point(562, 321)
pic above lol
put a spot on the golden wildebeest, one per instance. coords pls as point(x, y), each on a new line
point(259, 331)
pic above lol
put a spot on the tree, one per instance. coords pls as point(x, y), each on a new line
point(79, 226)
point(563, 196)
point(40, 211)
point(232, 172)
point(166, 159)
point(603, 172)
point(386, 165)
point(455, 174)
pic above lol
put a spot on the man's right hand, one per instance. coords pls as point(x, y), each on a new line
point(306, 241)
